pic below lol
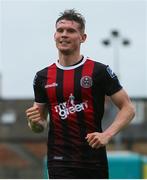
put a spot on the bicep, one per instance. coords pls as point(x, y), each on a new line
point(120, 99)
point(39, 90)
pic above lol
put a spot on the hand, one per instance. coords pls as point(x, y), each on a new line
point(97, 140)
point(33, 114)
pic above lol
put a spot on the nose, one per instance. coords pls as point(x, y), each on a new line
point(64, 33)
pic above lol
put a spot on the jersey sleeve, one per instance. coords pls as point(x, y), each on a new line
point(111, 82)
point(39, 91)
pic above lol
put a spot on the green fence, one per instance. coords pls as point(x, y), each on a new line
point(144, 168)
point(125, 165)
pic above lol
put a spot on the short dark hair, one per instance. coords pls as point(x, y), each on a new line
point(73, 15)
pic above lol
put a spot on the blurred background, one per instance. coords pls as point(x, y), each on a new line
point(117, 35)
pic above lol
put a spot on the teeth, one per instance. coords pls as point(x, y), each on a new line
point(64, 43)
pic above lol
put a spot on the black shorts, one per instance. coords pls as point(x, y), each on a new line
point(77, 173)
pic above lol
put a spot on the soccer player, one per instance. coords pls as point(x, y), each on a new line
point(72, 90)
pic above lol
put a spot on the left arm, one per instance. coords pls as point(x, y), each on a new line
point(123, 117)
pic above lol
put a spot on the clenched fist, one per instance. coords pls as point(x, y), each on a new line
point(97, 140)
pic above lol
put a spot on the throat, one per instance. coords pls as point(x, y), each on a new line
point(77, 62)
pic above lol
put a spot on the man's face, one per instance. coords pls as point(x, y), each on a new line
point(68, 36)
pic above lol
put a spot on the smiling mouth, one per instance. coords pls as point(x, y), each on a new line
point(64, 42)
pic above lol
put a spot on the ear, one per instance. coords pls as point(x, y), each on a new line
point(55, 36)
point(83, 37)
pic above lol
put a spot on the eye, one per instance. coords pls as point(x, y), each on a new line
point(59, 30)
point(71, 30)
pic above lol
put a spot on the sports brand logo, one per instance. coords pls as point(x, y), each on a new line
point(86, 82)
point(51, 85)
point(69, 107)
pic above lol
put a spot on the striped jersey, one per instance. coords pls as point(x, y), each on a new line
point(75, 99)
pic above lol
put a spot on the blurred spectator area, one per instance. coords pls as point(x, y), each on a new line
point(134, 136)
point(22, 151)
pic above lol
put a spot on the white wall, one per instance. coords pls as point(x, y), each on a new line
point(27, 40)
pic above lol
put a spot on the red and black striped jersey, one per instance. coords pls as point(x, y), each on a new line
point(75, 99)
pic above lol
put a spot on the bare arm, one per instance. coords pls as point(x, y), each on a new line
point(124, 116)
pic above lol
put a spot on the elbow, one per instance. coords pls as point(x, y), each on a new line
point(132, 111)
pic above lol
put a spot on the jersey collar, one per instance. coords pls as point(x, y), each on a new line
point(71, 67)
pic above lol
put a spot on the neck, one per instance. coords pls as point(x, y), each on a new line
point(68, 60)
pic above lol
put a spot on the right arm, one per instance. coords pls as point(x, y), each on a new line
point(37, 114)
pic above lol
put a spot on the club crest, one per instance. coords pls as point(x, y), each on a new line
point(86, 81)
